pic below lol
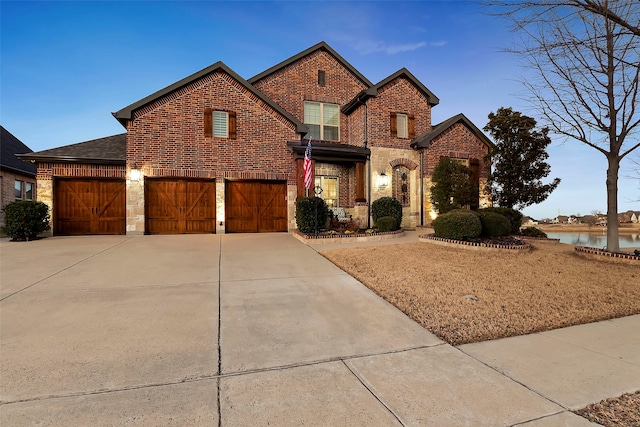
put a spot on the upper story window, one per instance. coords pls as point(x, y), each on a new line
point(323, 121)
point(403, 131)
point(321, 78)
point(402, 125)
point(219, 124)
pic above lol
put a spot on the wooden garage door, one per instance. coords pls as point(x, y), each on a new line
point(178, 206)
point(256, 206)
point(89, 206)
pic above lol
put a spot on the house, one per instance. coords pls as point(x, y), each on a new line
point(634, 218)
point(214, 152)
point(17, 178)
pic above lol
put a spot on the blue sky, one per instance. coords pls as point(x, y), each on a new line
point(65, 66)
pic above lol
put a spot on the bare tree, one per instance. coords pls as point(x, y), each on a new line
point(585, 58)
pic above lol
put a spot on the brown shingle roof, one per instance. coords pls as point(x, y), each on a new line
point(9, 147)
point(424, 140)
point(110, 150)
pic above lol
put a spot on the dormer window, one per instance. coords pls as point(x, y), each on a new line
point(323, 121)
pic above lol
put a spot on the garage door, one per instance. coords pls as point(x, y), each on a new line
point(178, 206)
point(256, 206)
point(88, 206)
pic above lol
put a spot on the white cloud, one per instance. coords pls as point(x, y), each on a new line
point(439, 43)
point(366, 47)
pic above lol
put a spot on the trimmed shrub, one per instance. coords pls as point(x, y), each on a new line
point(494, 224)
point(533, 232)
point(460, 225)
point(386, 223)
point(465, 210)
point(311, 214)
point(514, 216)
point(24, 220)
point(387, 206)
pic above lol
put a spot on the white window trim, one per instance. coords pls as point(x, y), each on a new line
point(402, 125)
point(321, 124)
point(226, 124)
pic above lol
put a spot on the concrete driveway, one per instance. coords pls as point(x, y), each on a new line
point(227, 330)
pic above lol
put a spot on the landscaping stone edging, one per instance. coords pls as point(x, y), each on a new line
point(469, 245)
point(346, 238)
point(540, 239)
point(600, 252)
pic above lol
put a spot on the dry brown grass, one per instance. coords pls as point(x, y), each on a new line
point(623, 411)
point(517, 292)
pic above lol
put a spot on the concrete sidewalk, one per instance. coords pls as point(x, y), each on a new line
point(261, 330)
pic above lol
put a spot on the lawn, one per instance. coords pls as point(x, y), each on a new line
point(466, 296)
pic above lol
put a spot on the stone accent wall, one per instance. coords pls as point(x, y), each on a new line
point(135, 206)
point(430, 213)
point(49, 171)
point(220, 207)
point(383, 160)
point(7, 185)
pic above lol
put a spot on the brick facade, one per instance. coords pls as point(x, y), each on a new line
point(167, 136)
point(7, 186)
point(457, 142)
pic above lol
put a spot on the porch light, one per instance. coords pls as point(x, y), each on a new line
point(383, 180)
point(135, 174)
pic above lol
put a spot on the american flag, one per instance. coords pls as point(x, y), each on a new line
point(307, 167)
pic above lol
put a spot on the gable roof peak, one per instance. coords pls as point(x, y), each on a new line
point(404, 72)
point(126, 113)
point(318, 46)
point(424, 140)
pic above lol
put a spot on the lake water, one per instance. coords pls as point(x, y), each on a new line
point(595, 240)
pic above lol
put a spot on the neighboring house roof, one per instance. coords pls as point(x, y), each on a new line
point(10, 146)
point(111, 150)
point(424, 140)
point(126, 113)
point(320, 46)
point(372, 91)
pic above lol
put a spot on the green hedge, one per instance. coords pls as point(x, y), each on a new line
point(24, 220)
point(311, 214)
point(387, 206)
point(386, 223)
point(494, 224)
point(514, 217)
point(458, 225)
point(533, 232)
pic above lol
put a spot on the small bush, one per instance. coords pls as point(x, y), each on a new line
point(24, 220)
point(514, 216)
point(533, 232)
point(494, 224)
point(460, 225)
point(387, 206)
point(311, 214)
point(386, 223)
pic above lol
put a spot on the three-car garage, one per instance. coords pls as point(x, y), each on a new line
point(84, 206)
